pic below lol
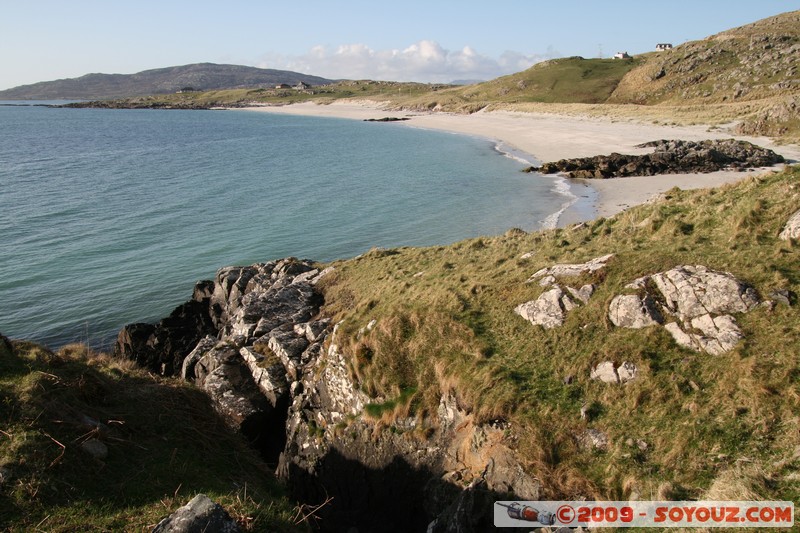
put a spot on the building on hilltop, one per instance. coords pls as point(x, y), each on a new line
point(283, 86)
point(302, 86)
point(663, 46)
point(622, 55)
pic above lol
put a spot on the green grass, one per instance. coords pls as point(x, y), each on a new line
point(445, 321)
point(165, 445)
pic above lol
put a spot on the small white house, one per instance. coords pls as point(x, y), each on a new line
point(302, 86)
point(660, 47)
point(283, 86)
point(622, 55)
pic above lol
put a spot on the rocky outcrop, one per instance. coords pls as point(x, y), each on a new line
point(275, 371)
point(200, 514)
point(161, 347)
point(550, 309)
point(669, 157)
point(792, 228)
point(696, 306)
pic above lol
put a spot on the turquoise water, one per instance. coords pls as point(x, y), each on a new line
point(110, 216)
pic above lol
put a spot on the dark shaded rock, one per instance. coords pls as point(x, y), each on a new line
point(200, 515)
point(471, 512)
point(386, 119)
point(669, 157)
point(163, 346)
point(6, 348)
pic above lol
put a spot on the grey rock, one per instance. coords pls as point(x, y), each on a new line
point(593, 439)
point(792, 228)
point(548, 310)
point(583, 294)
point(720, 334)
point(224, 375)
point(633, 311)
point(608, 373)
point(782, 296)
point(627, 371)
point(572, 270)
point(200, 515)
point(605, 372)
point(693, 291)
point(270, 377)
point(205, 345)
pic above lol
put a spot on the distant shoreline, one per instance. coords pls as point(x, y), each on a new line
point(549, 137)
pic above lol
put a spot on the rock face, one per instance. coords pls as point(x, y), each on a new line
point(201, 514)
point(697, 303)
point(669, 157)
point(792, 228)
point(275, 371)
point(161, 347)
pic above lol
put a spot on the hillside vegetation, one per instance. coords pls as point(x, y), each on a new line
point(163, 443)
point(691, 425)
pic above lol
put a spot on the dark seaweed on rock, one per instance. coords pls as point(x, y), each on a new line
point(669, 157)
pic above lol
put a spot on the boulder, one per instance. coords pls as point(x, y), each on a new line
point(792, 228)
point(548, 310)
point(608, 373)
point(201, 514)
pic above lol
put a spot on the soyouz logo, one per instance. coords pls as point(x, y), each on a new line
point(711, 513)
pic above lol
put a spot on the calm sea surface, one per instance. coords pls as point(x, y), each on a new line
point(110, 216)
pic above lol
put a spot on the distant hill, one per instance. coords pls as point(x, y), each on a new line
point(199, 77)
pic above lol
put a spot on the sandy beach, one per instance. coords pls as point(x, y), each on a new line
point(549, 137)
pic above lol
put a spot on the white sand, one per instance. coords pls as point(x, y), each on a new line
point(549, 137)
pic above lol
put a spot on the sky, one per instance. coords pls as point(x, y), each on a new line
point(405, 40)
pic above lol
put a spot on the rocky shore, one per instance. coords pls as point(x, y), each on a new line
point(254, 341)
point(669, 157)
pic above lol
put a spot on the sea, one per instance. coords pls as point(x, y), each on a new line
point(109, 217)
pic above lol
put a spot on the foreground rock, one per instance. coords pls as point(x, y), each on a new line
point(669, 157)
point(201, 514)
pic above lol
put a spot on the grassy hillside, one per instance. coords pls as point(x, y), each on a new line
point(444, 319)
point(164, 442)
point(567, 80)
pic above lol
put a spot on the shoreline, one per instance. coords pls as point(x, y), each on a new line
point(550, 137)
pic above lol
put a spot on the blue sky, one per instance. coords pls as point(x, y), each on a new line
point(409, 40)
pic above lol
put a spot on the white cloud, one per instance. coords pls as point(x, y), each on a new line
point(425, 61)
